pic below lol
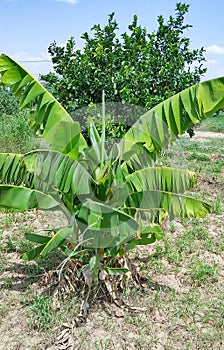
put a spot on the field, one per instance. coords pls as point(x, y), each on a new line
point(180, 305)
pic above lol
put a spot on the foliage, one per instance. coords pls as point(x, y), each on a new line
point(13, 124)
point(15, 129)
point(113, 200)
point(9, 104)
point(137, 68)
point(215, 123)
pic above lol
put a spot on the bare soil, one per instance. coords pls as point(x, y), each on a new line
point(206, 135)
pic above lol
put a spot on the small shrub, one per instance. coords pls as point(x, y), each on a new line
point(9, 104)
point(15, 134)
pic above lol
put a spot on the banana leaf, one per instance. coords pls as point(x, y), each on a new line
point(177, 205)
point(45, 170)
point(162, 179)
point(161, 125)
point(104, 226)
point(21, 198)
point(48, 118)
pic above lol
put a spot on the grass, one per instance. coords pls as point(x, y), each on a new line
point(39, 310)
point(214, 123)
point(201, 272)
point(182, 293)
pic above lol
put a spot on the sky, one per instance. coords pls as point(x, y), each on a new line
point(28, 27)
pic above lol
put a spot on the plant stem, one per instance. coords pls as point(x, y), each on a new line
point(103, 130)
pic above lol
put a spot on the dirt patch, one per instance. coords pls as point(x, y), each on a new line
point(204, 136)
point(15, 333)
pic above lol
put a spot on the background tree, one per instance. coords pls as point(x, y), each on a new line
point(137, 68)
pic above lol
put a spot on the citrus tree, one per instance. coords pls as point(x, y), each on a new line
point(135, 67)
point(114, 199)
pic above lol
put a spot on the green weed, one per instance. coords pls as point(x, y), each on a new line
point(172, 227)
point(2, 262)
point(198, 156)
point(201, 271)
point(3, 310)
point(215, 311)
point(217, 205)
point(12, 244)
point(7, 220)
point(213, 146)
point(104, 344)
point(39, 312)
point(8, 282)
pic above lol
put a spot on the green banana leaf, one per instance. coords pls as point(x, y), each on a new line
point(94, 153)
point(33, 253)
point(57, 239)
point(104, 226)
point(149, 235)
point(48, 118)
point(21, 198)
point(177, 205)
point(165, 122)
point(45, 170)
point(93, 133)
point(10, 170)
point(151, 192)
point(162, 179)
point(58, 170)
point(47, 244)
point(35, 238)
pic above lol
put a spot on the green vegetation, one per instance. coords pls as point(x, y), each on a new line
point(9, 104)
point(183, 290)
point(39, 311)
point(202, 157)
point(110, 205)
point(201, 272)
point(19, 137)
point(14, 125)
point(135, 67)
point(214, 123)
point(3, 311)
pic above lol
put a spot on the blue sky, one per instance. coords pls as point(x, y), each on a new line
point(29, 26)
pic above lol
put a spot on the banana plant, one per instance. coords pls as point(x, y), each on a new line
point(113, 200)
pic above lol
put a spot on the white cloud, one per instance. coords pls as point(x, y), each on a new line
point(215, 49)
point(214, 61)
point(23, 55)
point(69, 1)
point(215, 68)
point(39, 63)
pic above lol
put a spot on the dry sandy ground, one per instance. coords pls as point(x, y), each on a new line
point(206, 135)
